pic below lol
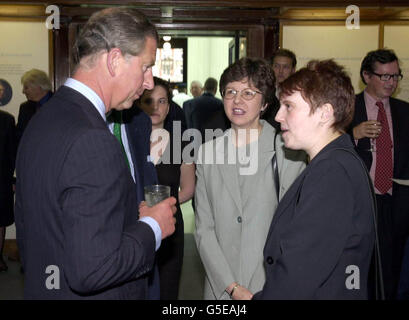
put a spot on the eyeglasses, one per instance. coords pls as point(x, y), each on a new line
point(246, 94)
point(387, 77)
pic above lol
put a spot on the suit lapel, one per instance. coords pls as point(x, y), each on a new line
point(361, 109)
point(132, 132)
point(395, 130)
point(228, 171)
point(263, 154)
point(84, 104)
point(289, 199)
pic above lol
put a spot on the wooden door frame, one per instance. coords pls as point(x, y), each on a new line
point(63, 39)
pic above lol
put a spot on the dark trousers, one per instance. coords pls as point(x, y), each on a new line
point(170, 261)
point(403, 289)
point(387, 246)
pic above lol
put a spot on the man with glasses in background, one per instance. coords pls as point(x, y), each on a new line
point(380, 130)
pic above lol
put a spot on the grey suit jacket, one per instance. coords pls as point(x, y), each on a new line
point(232, 222)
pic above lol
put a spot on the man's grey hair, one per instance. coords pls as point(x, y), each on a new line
point(196, 82)
point(120, 27)
point(38, 78)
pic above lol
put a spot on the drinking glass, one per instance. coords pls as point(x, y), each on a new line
point(156, 193)
point(372, 147)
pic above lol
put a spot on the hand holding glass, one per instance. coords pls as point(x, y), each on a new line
point(374, 134)
point(156, 193)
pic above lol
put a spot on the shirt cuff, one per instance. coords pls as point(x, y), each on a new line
point(155, 228)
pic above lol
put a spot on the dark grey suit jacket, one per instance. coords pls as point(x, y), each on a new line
point(76, 207)
point(323, 224)
point(200, 109)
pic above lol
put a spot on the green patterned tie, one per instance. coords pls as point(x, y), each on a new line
point(117, 116)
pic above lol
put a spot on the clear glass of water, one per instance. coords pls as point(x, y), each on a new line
point(372, 147)
point(156, 193)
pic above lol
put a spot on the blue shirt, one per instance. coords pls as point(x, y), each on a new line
point(93, 97)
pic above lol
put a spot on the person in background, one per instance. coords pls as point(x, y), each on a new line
point(236, 200)
point(37, 88)
point(321, 239)
point(8, 147)
point(171, 171)
point(199, 109)
point(380, 131)
point(196, 88)
point(181, 96)
point(76, 210)
point(284, 63)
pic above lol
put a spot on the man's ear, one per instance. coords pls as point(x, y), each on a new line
point(367, 75)
point(114, 57)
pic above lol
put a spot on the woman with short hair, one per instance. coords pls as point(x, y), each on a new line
point(321, 239)
point(236, 192)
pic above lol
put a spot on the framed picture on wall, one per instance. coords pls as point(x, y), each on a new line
point(171, 60)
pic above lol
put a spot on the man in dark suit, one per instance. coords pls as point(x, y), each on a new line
point(7, 162)
point(381, 132)
point(204, 107)
point(78, 228)
point(37, 88)
point(196, 91)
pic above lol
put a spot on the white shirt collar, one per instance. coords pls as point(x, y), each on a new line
point(90, 94)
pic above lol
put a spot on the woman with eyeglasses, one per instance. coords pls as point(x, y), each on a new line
point(237, 187)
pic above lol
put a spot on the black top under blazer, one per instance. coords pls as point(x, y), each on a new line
point(323, 224)
point(76, 207)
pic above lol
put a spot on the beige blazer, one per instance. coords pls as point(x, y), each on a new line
point(232, 224)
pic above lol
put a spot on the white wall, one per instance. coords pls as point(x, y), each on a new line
point(207, 57)
point(23, 46)
point(348, 47)
point(394, 35)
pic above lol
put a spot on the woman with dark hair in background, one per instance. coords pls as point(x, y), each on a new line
point(173, 172)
